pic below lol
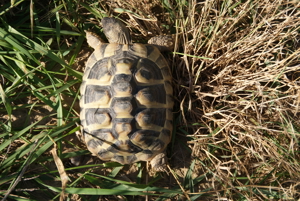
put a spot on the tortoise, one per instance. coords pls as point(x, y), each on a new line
point(126, 98)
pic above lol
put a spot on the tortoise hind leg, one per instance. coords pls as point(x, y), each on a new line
point(159, 162)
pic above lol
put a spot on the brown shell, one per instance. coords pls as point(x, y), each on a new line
point(126, 102)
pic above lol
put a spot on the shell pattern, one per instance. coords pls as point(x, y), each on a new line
point(126, 102)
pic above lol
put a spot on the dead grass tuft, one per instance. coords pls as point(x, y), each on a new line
point(247, 96)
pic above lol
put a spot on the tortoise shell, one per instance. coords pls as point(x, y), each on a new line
point(126, 102)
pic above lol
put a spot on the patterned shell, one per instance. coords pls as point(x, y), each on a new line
point(126, 102)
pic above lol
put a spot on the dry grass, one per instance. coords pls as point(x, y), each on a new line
point(236, 71)
point(237, 80)
point(247, 97)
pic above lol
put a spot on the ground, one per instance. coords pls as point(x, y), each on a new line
point(235, 69)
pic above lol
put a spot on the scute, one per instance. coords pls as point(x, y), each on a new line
point(105, 154)
point(151, 117)
point(131, 159)
point(99, 117)
point(145, 65)
point(122, 130)
point(100, 71)
point(152, 95)
point(104, 136)
point(126, 103)
point(122, 88)
point(122, 107)
point(144, 138)
point(97, 93)
point(94, 143)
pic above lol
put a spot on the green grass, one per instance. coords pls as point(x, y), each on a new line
point(236, 87)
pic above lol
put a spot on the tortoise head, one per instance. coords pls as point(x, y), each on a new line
point(115, 31)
